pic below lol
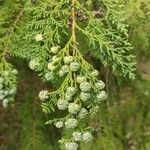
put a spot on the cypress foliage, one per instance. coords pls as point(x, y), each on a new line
point(61, 40)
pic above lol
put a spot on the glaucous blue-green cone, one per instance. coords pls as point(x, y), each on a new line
point(71, 146)
point(77, 136)
point(85, 87)
point(73, 108)
point(62, 104)
point(71, 123)
point(87, 136)
point(43, 95)
point(59, 124)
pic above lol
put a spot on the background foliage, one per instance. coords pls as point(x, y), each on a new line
point(123, 125)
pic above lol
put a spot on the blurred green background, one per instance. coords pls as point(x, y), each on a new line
point(122, 124)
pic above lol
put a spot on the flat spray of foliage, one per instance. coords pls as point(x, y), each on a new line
point(59, 39)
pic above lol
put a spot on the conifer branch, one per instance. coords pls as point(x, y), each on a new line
point(73, 21)
point(8, 75)
point(10, 32)
point(56, 38)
